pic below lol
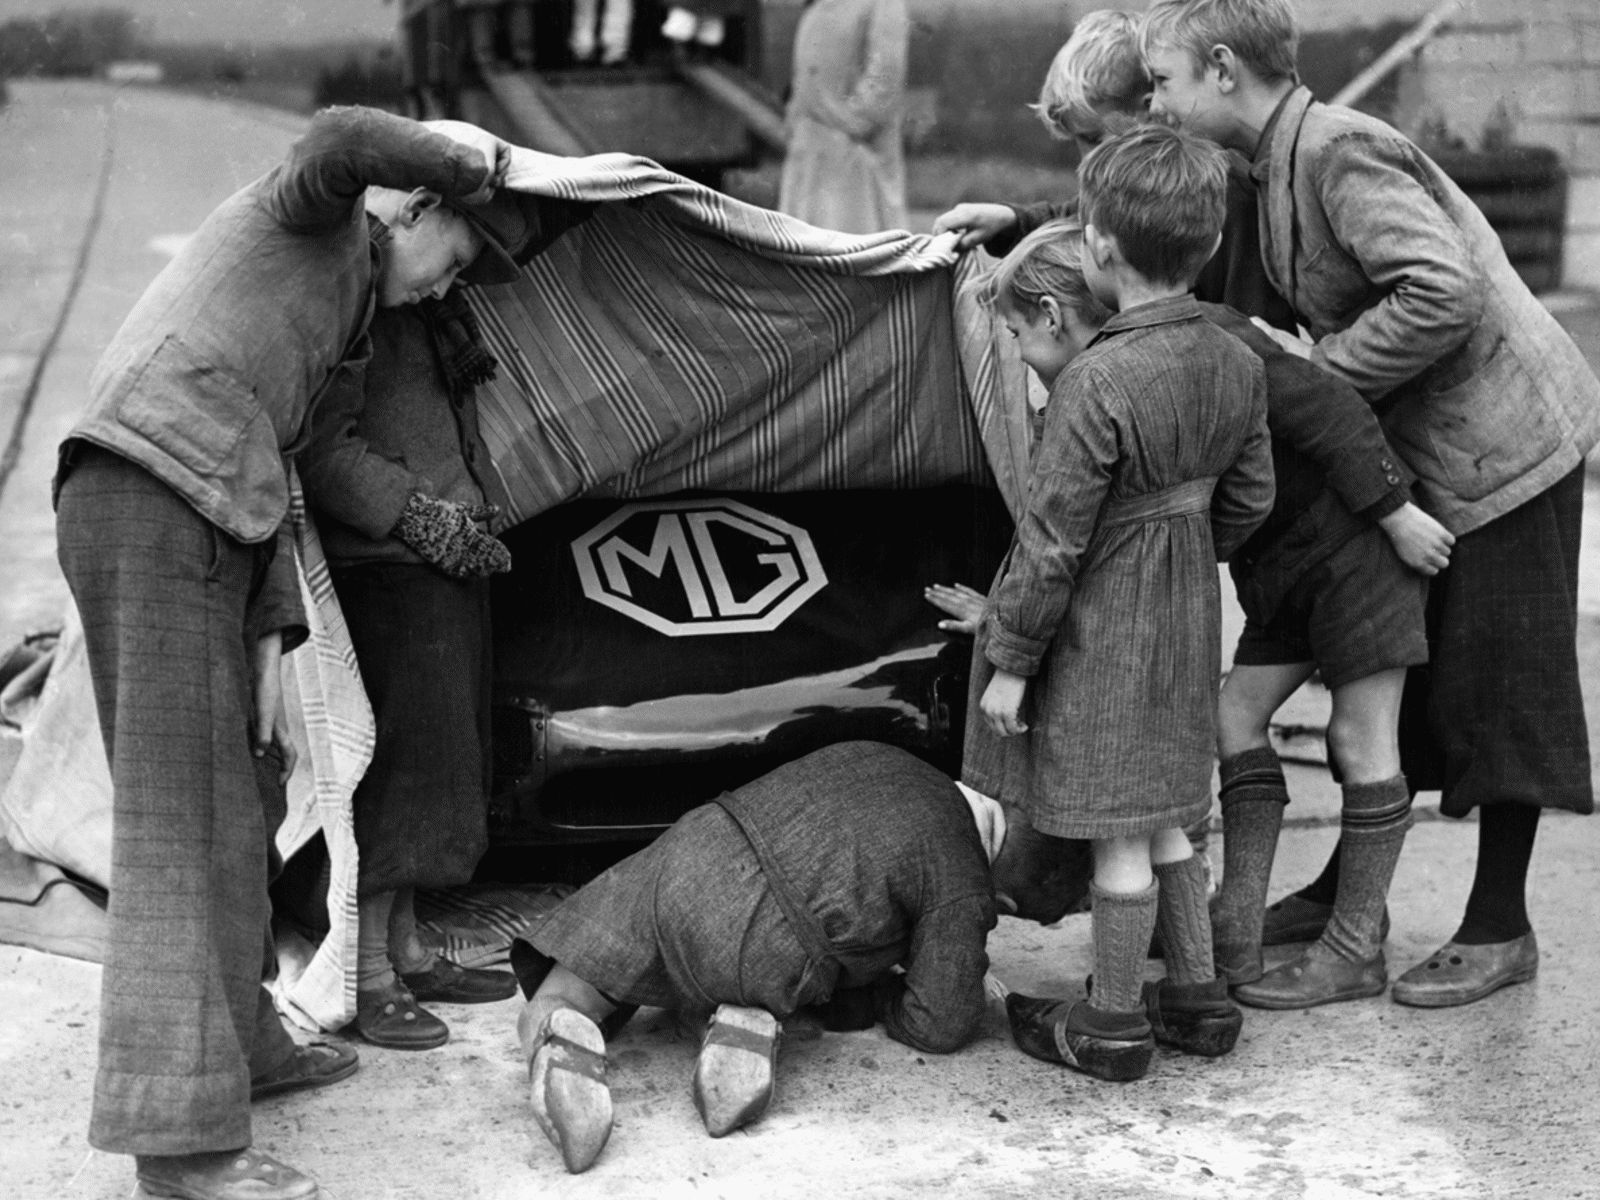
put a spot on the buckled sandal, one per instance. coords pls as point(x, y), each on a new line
point(736, 1072)
point(393, 1020)
point(312, 1066)
point(247, 1174)
point(1457, 974)
point(567, 1088)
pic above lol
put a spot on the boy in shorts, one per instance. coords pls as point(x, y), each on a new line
point(1410, 299)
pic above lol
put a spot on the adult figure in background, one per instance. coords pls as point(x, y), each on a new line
point(846, 167)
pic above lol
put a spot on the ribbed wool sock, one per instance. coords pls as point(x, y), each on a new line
point(1253, 795)
point(1497, 909)
point(374, 972)
point(1183, 920)
point(405, 943)
point(1121, 923)
point(1373, 828)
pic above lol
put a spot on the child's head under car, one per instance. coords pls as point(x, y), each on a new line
point(1040, 292)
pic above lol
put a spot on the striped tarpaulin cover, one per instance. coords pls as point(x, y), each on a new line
point(683, 339)
point(678, 339)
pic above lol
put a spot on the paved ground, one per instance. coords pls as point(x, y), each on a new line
point(1365, 1099)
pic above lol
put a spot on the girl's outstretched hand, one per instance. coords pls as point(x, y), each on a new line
point(961, 602)
point(1002, 703)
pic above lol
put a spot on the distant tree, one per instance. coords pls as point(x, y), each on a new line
point(69, 42)
point(373, 81)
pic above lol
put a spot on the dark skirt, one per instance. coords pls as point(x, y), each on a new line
point(1497, 714)
point(421, 640)
point(687, 923)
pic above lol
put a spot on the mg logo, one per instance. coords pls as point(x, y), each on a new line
point(687, 567)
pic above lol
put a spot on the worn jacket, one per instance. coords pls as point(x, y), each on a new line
point(1411, 300)
point(208, 382)
point(1234, 275)
point(406, 431)
point(882, 852)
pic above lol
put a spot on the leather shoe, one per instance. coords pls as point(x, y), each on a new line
point(392, 1019)
point(247, 1174)
point(1457, 974)
point(1196, 1018)
point(735, 1073)
point(1114, 1046)
point(444, 982)
point(312, 1066)
point(1310, 981)
point(1296, 919)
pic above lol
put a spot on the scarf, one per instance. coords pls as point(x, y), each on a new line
point(458, 342)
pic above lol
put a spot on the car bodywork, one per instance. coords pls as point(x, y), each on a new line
point(651, 654)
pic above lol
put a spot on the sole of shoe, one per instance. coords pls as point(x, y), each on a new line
point(1206, 1036)
point(1441, 998)
point(1285, 1002)
point(576, 1108)
point(1110, 1059)
point(733, 1083)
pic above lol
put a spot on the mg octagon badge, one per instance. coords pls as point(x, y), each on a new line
point(687, 567)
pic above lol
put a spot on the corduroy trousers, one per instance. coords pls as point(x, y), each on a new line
point(184, 1019)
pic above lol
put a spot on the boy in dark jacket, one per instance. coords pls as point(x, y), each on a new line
point(384, 454)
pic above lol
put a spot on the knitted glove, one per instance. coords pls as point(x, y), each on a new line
point(446, 534)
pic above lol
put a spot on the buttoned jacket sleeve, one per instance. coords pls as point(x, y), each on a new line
point(938, 1004)
point(1376, 201)
point(1071, 478)
point(1243, 497)
point(1325, 419)
point(348, 150)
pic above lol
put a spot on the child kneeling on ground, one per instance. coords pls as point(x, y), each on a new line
point(1155, 462)
point(802, 889)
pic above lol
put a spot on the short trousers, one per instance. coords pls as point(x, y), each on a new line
point(1359, 611)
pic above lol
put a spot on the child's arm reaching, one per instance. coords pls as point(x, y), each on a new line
point(961, 602)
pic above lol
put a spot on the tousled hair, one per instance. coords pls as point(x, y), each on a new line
point(1162, 194)
point(1100, 64)
point(1263, 34)
point(1048, 262)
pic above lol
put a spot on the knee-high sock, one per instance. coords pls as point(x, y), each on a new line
point(1122, 923)
point(1324, 889)
point(1183, 920)
point(1497, 907)
point(1254, 795)
point(1373, 829)
point(374, 972)
point(406, 950)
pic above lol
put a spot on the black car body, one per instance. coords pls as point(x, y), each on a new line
point(651, 654)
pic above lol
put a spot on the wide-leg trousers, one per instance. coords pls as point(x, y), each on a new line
point(184, 1019)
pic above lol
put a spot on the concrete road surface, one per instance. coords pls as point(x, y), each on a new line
point(1365, 1099)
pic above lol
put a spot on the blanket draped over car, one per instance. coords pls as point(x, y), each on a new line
point(677, 339)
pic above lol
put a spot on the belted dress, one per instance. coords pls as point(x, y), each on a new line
point(1155, 463)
